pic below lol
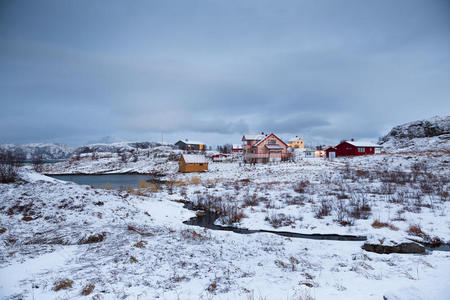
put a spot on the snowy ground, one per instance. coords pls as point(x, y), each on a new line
point(133, 244)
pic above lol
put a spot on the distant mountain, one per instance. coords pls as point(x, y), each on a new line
point(116, 147)
point(433, 133)
point(60, 151)
point(46, 151)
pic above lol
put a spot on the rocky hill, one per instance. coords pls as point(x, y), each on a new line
point(428, 134)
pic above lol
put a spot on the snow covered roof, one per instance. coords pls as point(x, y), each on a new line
point(194, 159)
point(254, 137)
point(237, 146)
point(363, 144)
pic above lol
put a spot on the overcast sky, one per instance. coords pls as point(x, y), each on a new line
point(79, 71)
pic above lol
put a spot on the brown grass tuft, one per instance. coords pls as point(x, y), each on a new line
point(87, 289)
point(63, 284)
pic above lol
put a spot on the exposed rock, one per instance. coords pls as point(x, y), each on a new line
point(399, 248)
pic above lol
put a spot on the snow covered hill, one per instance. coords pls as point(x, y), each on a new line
point(55, 151)
point(429, 134)
point(46, 151)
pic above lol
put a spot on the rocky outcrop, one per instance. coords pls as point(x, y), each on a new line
point(419, 135)
point(419, 129)
point(399, 248)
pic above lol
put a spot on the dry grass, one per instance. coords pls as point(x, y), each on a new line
point(106, 186)
point(190, 234)
point(87, 290)
point(139, 244)
point(378, 224)
point(143, 184)
point(417, 231)
point(63, 284)
point(196, 180)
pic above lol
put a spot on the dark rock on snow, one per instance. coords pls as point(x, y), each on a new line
point(399, 248)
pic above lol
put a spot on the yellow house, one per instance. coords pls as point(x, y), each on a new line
point(296, 142)
point(192, 163)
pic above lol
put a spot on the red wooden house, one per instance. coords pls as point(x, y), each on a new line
point(263, 148)
point(352, 148)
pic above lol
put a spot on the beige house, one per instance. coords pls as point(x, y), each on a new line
point(296, 142)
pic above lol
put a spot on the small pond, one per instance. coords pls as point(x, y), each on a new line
point(115, 180)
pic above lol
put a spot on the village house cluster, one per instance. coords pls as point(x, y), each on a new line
point(266, 148)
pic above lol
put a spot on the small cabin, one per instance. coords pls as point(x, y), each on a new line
point(192, 163)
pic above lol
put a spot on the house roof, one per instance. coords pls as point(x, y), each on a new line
point(194, 159)
point(237, 146)
point(363, 144)
point(267, 138)
point(254, 137)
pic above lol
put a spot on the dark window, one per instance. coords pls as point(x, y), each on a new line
point(201, 164)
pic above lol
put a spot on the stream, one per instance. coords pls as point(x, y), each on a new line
point(207, 219)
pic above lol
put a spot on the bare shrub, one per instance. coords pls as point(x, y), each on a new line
point(250, 200)
point(38, 162)
point(359, 207)
point(300, 187)
point(323, 209)
point(279, 220)
point(63, 284)
point(9, 166)
point(231, 214)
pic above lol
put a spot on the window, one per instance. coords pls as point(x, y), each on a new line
point(201, 165)
point(272, 142)
point(361, 150)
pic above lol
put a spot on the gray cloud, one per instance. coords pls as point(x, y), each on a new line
point(212, 70)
